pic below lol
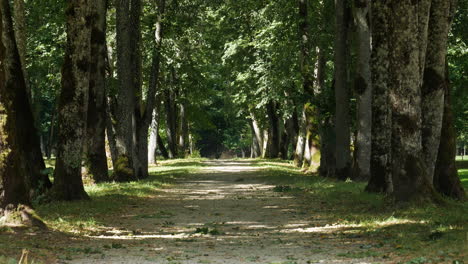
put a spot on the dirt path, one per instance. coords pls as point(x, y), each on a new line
point(225, 214)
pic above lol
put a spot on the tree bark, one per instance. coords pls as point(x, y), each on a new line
point(380, 167)
point(363, 87)
point(19, 17)
point(410, 181)
point(153, 140)
point(13, 188)
point(446, 180)
point(129, 82)
point(343, 152)
point(96, 159)
point(171, 123)
point(434, 83)
point(274, 139)
point(183, 129)
point(256, 145)
point(301, 141)
point(144, 109)
point(162, 148)
point(73, 104)
point(37, 182)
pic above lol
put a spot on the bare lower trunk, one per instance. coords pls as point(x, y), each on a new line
point(73, 105)
point(380, 178)
point(110, 131)
point(171, 123)
point(434, 83)
point(36, 181)
point(301, 141)
point(256, 145)
point(162, 148)
point(408, 174)
point(13, 187)
point(129, 81)
point(153, 141)
point(363, 87)
point(96, 159)
point(183, 129)
point(342, 123)
point(446, 180)
point(274, 130)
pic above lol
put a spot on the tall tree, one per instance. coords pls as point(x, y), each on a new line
point(13, 188)
point(36, 180)
point(129, 82)
point(342, 124)
point(446, 180)
point(19, 17)
point(96, 159)
point(380, 167)
point(73, 104)
point(409, 176)
point(363, 87)
point(434, 82)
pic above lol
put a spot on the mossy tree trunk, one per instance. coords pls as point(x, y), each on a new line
point(36, 180)
point(409, 176)
point(380, 163)
point(73, 104)
point(129, 82)
point(96, 159)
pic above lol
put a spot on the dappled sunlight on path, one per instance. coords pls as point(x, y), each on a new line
point(225, 213)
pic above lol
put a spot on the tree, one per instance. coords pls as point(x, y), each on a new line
point(37, 180)
point(73, 104)
point(363, 87)
point(129, 83)
point(380, 163)
point(342, 124)
point(96, 159)
point(14, 105)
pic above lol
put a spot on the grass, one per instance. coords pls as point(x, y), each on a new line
point(428, 232)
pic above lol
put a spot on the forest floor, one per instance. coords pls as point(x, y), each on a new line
point(238, 211)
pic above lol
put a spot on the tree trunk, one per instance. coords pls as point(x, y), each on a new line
point(343, 152)
point(153, 140)
point(144, 109)
point(13, 187)
point(110, 129)
point(301, 141)
point(446, 180)
point(183, 129)
point(73, 104)
point(408, 173)
point(256, 145)
point(19, 17)
point(363, 87)
point(129, 82)
point(96, 159)
point(171, 123)
point(28, 141)
point(162, 148)
point(258, 134)
point(434, 83)
point(274, 139)
point(380, 168)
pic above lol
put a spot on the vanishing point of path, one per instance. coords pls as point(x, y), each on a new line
point(226, 213)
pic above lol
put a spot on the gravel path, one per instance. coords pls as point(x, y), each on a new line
point(227, 214)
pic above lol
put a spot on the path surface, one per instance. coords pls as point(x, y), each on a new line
point(240, 219)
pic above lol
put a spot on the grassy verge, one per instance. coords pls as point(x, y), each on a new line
point(418, 233)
